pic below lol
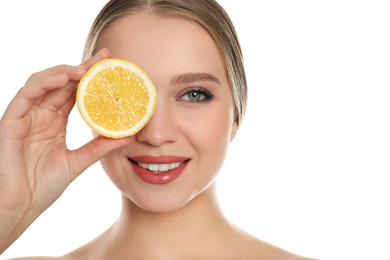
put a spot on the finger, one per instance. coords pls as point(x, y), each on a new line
point(100, 55)
point(54, 100)
point(38, 85)
point(57, 99)
point(53, 78)
point(74, 73)
point(26, 96)
point(68, 105)
point(92, 152)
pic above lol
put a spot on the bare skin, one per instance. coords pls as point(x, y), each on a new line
point(187, 223)
point(151, 236)
point(36, 166)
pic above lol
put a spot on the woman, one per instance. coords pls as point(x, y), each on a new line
point(191, 52)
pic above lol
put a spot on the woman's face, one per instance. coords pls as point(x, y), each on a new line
point(193, 122)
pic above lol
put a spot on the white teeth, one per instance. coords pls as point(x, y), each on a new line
point(163, 167)
point(153, 167)
point(144, 165)
point(173, 165)
point(158, 168)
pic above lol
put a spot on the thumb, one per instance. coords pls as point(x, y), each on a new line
point(88, 154)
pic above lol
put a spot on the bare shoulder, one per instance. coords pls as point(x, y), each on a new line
point(255, 248)
point(41, 258)
point(265, 250)
point(78, 254)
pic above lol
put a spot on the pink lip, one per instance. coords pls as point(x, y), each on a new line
point(158, 178)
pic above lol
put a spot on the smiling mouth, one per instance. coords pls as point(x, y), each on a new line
point(159, 167)
point(159, 170)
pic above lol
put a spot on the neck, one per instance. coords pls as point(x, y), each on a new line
point(176, 233)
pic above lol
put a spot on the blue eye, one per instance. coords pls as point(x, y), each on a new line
point(198, 95)
point(195, 95)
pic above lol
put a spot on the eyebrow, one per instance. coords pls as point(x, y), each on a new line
point(193, 77)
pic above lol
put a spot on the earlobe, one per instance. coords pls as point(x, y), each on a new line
point(234, 131)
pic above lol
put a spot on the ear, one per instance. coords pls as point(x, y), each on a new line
point(234, 131)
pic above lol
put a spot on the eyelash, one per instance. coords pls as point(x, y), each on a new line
point(206, 95)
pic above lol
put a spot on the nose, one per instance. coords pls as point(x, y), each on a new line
point(160, 129)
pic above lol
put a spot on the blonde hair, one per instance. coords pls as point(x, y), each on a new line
point(207, 13)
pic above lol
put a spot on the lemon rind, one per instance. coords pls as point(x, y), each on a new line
point(112, 63)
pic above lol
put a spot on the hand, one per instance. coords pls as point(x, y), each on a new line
point(35, 164)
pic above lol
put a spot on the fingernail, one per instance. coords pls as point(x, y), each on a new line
point(101, 50)
point(79, 67)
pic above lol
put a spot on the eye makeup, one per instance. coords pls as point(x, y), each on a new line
point(197, 94)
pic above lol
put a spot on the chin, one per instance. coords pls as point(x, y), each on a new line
point(160, 204)
point(160, 199)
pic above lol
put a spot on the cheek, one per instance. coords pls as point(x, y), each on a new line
point(108, 167)
point(215, 130)
point(111, 165)
point(209, 132)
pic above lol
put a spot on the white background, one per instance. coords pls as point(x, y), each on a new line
point(308, 168)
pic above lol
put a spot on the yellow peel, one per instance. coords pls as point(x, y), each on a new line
point(116, 98)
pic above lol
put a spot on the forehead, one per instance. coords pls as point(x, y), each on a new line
point(163, 43)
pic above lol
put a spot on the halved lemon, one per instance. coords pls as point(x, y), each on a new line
point(116, 98)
